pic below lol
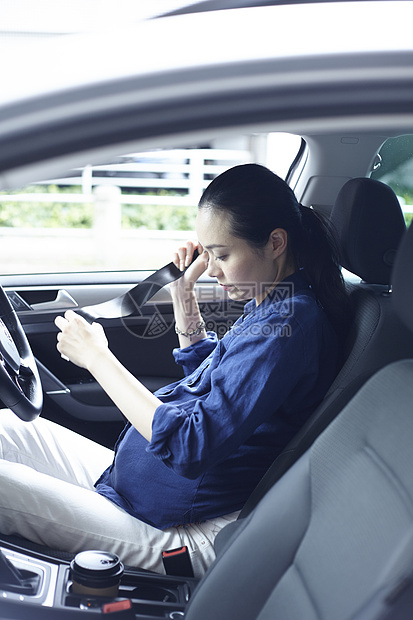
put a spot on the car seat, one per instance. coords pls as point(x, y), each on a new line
point(333, 538)
point(369, 224)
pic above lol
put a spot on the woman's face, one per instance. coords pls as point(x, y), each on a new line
point(242, 271)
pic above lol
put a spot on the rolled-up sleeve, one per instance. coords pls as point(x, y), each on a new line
point(191, 357)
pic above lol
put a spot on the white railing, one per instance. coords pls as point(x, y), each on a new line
point(185, 171)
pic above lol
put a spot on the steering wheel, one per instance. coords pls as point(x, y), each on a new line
point(20, 385)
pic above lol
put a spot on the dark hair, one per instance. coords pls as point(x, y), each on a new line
point(258, 201)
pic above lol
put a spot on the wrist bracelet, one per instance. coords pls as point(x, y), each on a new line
point(191, 332)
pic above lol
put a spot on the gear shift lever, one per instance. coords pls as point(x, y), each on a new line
point(14, 580)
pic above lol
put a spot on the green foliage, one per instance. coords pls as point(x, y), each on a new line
point(158, 217)
point(408, 217)
point(402, 191)
point(46, 189)
point(74, 215)
point(396, 166)
point(46, 214)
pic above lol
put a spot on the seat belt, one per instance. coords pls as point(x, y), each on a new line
point(130, 302)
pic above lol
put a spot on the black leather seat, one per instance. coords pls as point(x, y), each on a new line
point(369, 224)
point(333, 538)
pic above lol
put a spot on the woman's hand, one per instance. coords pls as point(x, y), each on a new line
point(182, 259)
point(186, 310)
point(87, 346)
point(78, 341)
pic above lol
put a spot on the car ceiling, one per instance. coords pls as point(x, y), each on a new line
point(201, 102)
point(24, 20)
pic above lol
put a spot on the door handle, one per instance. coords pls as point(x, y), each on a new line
point(62, 301)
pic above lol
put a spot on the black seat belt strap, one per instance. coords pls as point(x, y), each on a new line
point(130, 302)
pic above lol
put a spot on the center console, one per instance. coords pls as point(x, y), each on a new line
point(34, 586)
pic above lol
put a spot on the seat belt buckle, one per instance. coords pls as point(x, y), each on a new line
point(177, 562)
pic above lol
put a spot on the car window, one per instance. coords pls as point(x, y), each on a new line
point(394, 166)
point(130, 213)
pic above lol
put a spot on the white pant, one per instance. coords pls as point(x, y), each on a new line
point(47, 474)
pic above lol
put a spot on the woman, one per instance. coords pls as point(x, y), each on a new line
point(192, 452)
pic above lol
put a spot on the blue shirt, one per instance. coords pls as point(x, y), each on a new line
point(219, 429)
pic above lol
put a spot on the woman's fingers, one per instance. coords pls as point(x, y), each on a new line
point(60, 322)
point(197, 268)
point(183, 256)
point(77, 340)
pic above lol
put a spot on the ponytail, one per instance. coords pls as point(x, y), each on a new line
point(318, 255)
point(258, 201)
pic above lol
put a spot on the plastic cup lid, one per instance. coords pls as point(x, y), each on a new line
point(96, 568)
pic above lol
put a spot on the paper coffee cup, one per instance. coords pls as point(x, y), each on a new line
point(96, 573)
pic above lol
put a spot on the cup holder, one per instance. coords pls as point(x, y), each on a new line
point(150, 592)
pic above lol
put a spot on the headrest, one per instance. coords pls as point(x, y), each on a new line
point(402, 296)
point(369, 224)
